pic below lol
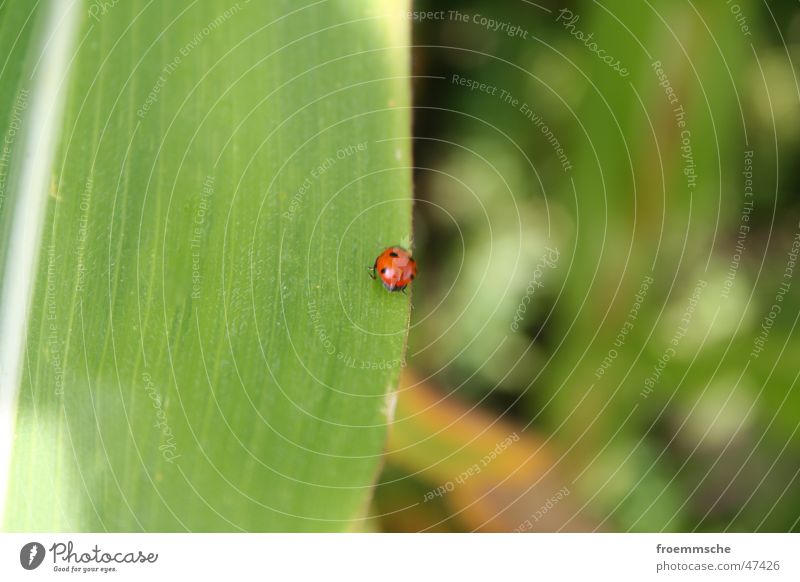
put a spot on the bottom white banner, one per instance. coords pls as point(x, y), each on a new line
point(370, 557)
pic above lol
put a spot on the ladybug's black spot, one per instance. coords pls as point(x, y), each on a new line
point(383, 270)
point(412, 277)
point(393, 254)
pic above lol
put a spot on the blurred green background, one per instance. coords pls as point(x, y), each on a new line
point(600, 248)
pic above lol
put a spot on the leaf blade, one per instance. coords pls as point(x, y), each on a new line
point(197, 318)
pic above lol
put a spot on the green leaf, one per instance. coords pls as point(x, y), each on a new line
point(205, 349)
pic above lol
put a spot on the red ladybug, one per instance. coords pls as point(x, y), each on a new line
point(396, 267)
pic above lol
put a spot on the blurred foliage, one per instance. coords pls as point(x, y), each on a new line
point(714, 445)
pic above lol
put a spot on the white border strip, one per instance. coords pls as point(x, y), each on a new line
point(34, 166)
point(635, 557)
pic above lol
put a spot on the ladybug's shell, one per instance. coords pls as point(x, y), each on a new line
point(396, 268)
